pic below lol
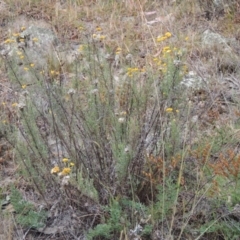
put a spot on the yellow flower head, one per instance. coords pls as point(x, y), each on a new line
point(23, 28)
point(166, 48)
point(26, 68)
point(169, 109)
point(65, 160)
point(16, 34)
point(168, 34)
point(65, 171)
point(24, 86)
point(135, 69)
point(98, 29)
point(56, 169)
point(9, 40)
point(160, 39)
point(32, 64)
point(71, 164)
point(35, 39)
point(118, 50)
point(14, 105)
point(102, 37)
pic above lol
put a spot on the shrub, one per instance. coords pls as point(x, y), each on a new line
point(26, 215)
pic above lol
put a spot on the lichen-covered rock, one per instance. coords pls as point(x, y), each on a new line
point(222, 52)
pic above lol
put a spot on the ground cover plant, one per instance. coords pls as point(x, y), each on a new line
point(134, 136)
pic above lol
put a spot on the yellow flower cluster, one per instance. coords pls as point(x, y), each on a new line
point(81, 28)
point(54, 73)
point(98, 37)
point(170, 110)
point(66, 170)
point(14, 104)
point(158, 61)
point(21, 56)
point(56, 169)
point(163, 59)
point(16, 34)
point(167, 49)
point(16, 37)
point(131, 71)
point(99, 29)
point(7, 41)
point(164, 37)
point(118, 51)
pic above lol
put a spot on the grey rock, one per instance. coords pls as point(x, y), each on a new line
point(192, 80)
point(210, 38)
point(221, 51)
